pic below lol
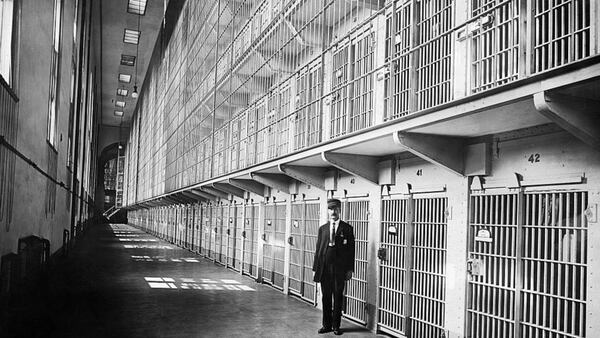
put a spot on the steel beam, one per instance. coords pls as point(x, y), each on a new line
point(248, 185)
point(228, 188)
point(445, 151)
point(194, 197)
point(314, 176)
point(215, 192)
point(578, 116)
point(204, 195)
point(275, 181)
point(359, 165)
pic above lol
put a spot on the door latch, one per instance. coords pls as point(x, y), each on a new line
point(475, 267)
point(291, 240)
point(382, 254)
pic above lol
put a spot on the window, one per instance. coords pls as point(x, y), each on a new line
point(54, 73)
point(7, 21)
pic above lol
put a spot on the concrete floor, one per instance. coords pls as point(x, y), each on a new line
point(121, 282)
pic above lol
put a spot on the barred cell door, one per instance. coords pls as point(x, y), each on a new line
point(207, 231)
point(274, 246)
point(250, 236)
point(527, 263)
point(215, 243)
point(231, 234)
point(221, 234)
point(356, 213)
point(413, 266)
point(239, 228)
point(304, 230)
point(197, 229)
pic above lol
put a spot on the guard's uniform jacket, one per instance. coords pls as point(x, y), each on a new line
point(342, 253)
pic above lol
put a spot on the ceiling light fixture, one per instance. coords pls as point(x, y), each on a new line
point(135, 93)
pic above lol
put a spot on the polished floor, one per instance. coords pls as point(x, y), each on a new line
point(121, 282)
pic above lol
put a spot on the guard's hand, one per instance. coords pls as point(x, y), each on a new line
point(349, 275)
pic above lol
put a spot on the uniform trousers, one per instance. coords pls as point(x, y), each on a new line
point(332, 287)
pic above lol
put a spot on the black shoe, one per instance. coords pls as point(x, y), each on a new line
point(324, 330)
point(337, 332)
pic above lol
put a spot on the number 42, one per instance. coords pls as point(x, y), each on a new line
point(534, 158)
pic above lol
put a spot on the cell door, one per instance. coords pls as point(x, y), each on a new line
point(221, 234)
point(207, 230)
point(250, 240)
point(356, 213)
point(215, 245)
point(274, 246)
point(304, 230)
point(239, 228)
point(197, 229)
point(231, 236)
point(413, 266)
point(527, 264)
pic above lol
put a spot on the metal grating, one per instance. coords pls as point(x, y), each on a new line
point(268, 239)
point(491, 296)
point(283, 146)
point(399, 84)
point(428, 284)
point(279, 245)
point(222, 237)
point(356, 213)
point(554, 260)
point(434, 55)
point(232, 233)
point(206, 230)
point(361, 87)
point(412, 275)
point(393, 270)
point(307, 117)
point(304, 230)
point(238, 240)
point(339, 91)
point(495, 45)
point(250, 240)
point(562, 33)
point(534, 270)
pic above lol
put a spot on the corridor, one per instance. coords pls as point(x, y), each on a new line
point(122, 282)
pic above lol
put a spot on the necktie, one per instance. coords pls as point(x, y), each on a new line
point(332, 234)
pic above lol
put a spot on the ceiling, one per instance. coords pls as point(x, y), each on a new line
point(114, 20)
